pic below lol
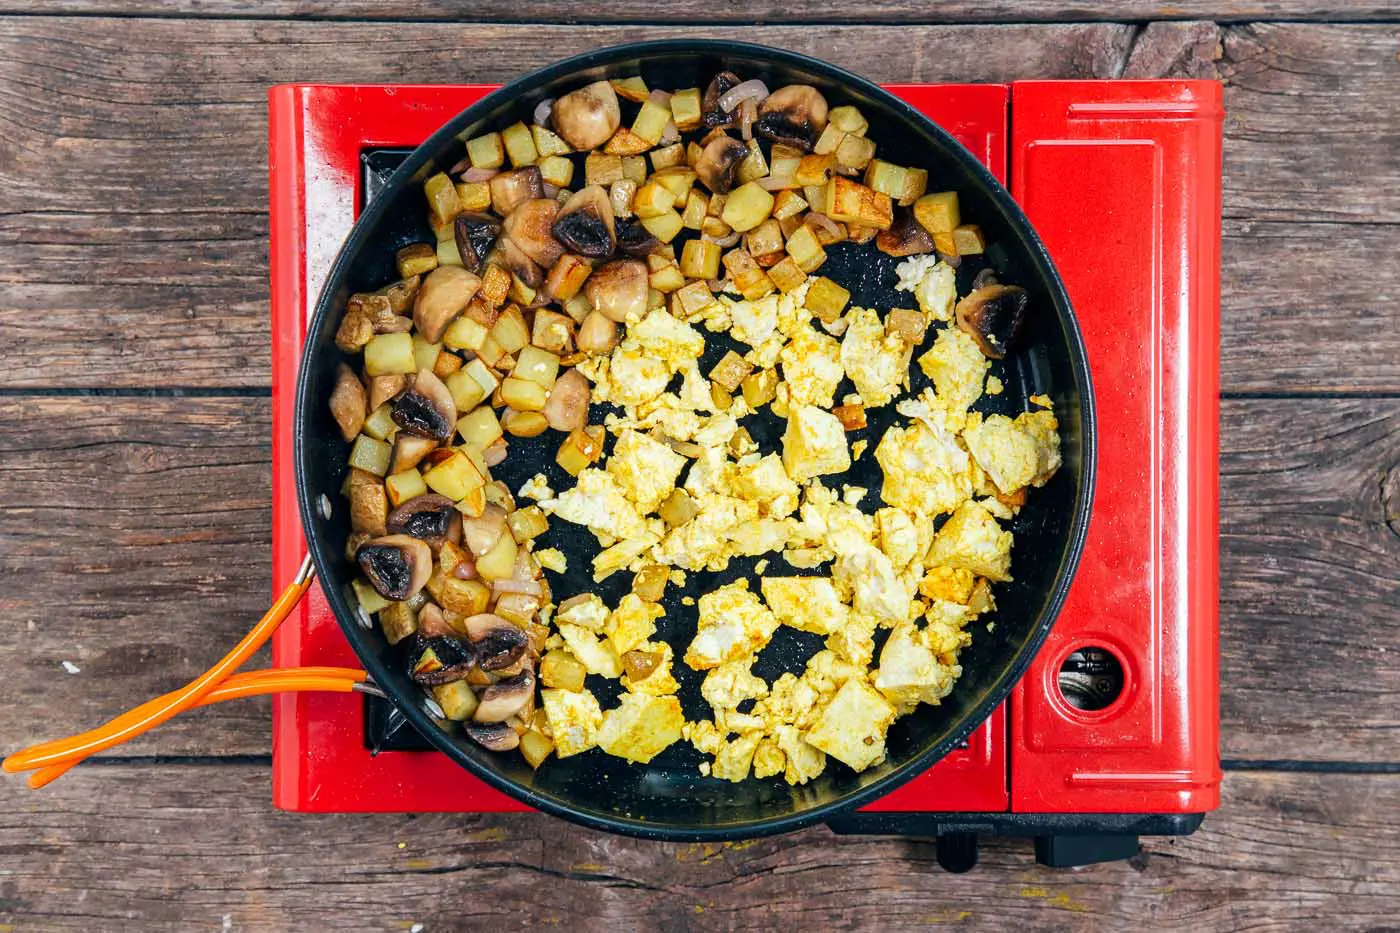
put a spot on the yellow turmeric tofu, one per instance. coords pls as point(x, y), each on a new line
point(641, 726)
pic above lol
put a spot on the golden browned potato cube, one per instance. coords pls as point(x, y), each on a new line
point(651, 122)
point(915, 181)
point(457, 700)
point(386, 354)
point(765, 243)
point(909, 326)
point(442, 198)
point(829, 139)
point(805, 249)
point(945, 243)
point(790, 224)
point(369, 507)
point(535, 747)
point(667, 277)
point(529, 522)
point(602, 169)
point(938, 213)
point(398, 620)
point(416, 259)
point(678, 179)
point(552, 331)
point(454, 477)
point(486, 151)
point(561, 670)
point(547, 143)
point(788, 204)
point(633, 89)
point(786, 274)
point(479, 428)
point(746, 207)
point(510, 331)
point(700, 260)
point(446, 364)
point(652, 200)
point(667, 156)
point(730, 371)
point(566, 277)
point(847, 119)
point(760, 388)
point(813, 170)
point(664, 226)
point(626, 143)
point(885, 177)
point(495, 285)
point(967, 240)
point(693, 298)
point(754, 166)
point(826, 299)
point(467, 597)
point(580, 449)
point(686, 108)
point(520, 145)
point(748, 276)
point(852, 417)
point(860, 233)
point(555, 170)
point(696, 204)
point(476, 195)
point(851, 202)
point(855, 152)
point(400, 487)
point(465, 334)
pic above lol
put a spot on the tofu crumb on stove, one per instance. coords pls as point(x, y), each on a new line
point(537, 488)
point(597, 657)
point(995, 386)
point(972, 540)
point(631, 623)
point(644, 469)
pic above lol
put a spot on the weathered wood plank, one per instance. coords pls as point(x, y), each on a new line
point(690, 11)
point(198, 846)
point(135, 539)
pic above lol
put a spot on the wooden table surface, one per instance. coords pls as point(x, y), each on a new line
point(134, 476)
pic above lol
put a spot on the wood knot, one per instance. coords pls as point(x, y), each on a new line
point(1390, 499)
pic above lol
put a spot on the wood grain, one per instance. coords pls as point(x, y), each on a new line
point(138, 536)
point(1284, 852)
point(763, 11)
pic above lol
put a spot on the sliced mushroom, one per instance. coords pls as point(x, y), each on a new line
point(995, 316)
point(718, 165)
point(635, 240)
point(493, 736)
point(397, 566)
point(712, 115)
point(619, 288)
point(498, 643)
point(505, 698)
point(348, 402)
point(428, 517)
point(518, 263)
point(529, 227)
point(409, 451)
point(588, 117)
point(443, 295)
point(567, 406)
point(440, 659)
point(585, 223)
point(794, 115)
point(480, 534)
point(401, 293)
point(515, 187)
point(905, 237)
point(383, 388)
point(475, 234)
point(432, 623)
point(426, 409)
point(596, 335)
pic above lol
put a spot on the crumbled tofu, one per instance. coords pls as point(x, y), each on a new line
point(933, 282)
point(597, 657)
point(599, 503)
point(635, 378)
point(858, 448)
point(641, 726)
point(730, 684)
point(754, 322)
point(876, 589)
point(574, 720)
point(812, 368)
point(972, 540)
point(851, 728)
point(704, 735)
point(1023, 452)
point(660, 682)
point(587, 611)
point(909, 673)
point(855, 641)
point(733, 624)
point(877, 362)
point(924, 472)
point(995, 386)
point(537, 488)
point(662, 337)
point(899, 539)
point(809, 604)
point(814, 444)
point(645, 469)
point(631, 623)
point(766, 481)
point(551, 558)
point(622, 554)
point(957, 368)
point(953, 584)
point(803, 761)
point(734, 758)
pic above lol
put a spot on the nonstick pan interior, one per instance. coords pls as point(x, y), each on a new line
point(668, 797)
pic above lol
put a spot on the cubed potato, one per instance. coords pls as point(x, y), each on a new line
point(915, 183)
point(626, 143)
point(370, 455)
point(909, 326)
point(369, 507)
point(547, 143)
point(788, 204)
point(552, 331)
point(566, 277)
point(446, 364)
point(666, 277)
point(678, 179)
point(401, 487)
point(520, 145)
point(765, 243)
point(536, 365)
point(760, 388)
point(746, 207)
point(455, 476)
point(665, 226)
point(510, 331)
point(753, 283)
point(442, 198)
point(621, 194)
point(851, 202)
point(464, 333)
point(634, 168)
point(523, 395)
point(855, 152)
point(730, 371)
point(696, 204)
point(967, 240)
point(847, 119)
point(826, 299)
point(786, 274)
point(398, 621)
point(667, 156)
point(380, 423)
point(555, 170)
point(813, 170)
point(474, 195)
point(938, 213)
point(693, 298)
point(457, 700)
point(686, 109)
point(754, 166)
point(495, 285)
point(416, 259)
point(829, 140)
point(529, 522)
point(700, 260)
point(651, 122)
point(602, 169)
point(852, 417)
point(486, 151)
point(580, 449)
point(652, 200)
point(561, 670)
point(480, 428)
point(805, 249)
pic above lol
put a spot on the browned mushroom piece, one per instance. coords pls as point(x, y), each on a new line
point(439, 659)
point(409, 451)
point(794, 115)
point(383, 388)
point(718, 165)
point(505, 698)
point(619, 288)
point(492, 736)
point(585, 223)
point(995, 316)
point(475, 234)
point(711, 114)
point(905, 237)
point(515, 187)
point(498, 643)
point(397, 566)
point(482, 533)
point(566, 409)
point(426, 408)
point(348, 402)
point(518, 263)
point(429, 517)
point(432, 623)
point(588, 117)
point(635, 240)
point(442, 296)
point(529, 227)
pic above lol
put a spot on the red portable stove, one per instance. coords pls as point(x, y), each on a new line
point(1113, 732)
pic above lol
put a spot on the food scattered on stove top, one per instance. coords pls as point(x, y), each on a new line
point(582, 261)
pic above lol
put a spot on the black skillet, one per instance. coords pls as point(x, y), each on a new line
point(668, 798)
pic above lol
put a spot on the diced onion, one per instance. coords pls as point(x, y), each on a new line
point(474, 174)
point(670, 135)
point(752, 89)
point(818, 219)
point(723, 242)
point(543, 111)
point(659, 97)
point(774, 183)
point(524, 587)
point(494, 454)
point(747, 115)
point(551, 191)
